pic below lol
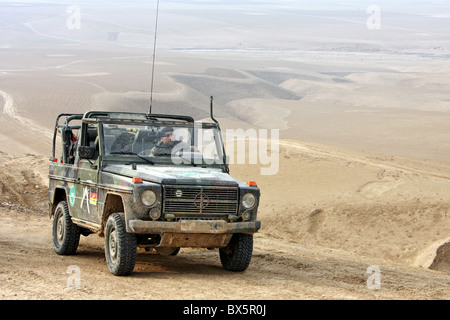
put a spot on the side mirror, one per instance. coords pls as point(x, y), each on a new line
point(86, 152)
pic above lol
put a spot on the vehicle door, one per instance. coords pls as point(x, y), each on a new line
point(84, 193)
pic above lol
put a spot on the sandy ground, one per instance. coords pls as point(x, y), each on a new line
point(361, 190)
point(320, 242)
point(329, 214)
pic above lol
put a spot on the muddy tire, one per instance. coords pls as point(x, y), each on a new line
point(237, 255)
point(120, 246)
point(66, 234)
point(168, 251)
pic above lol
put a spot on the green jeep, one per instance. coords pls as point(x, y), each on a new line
point(150, 180)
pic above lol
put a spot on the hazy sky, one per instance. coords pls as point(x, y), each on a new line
point(367, 25)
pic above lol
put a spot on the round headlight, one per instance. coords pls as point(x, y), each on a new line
point(248, 200)
point(148, 197)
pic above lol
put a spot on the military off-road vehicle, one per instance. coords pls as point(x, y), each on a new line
point(155, 181)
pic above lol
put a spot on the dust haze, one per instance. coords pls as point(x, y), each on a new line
point(359, 91)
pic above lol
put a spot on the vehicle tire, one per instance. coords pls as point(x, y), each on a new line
point(66, 234)
point(237, 255)
point(167, 251)
point(120, 246)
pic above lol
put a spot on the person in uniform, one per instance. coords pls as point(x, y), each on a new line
point(166, 144)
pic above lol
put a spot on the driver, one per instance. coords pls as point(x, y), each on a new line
point(167, 143)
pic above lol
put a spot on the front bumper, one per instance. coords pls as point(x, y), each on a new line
point(192, 227)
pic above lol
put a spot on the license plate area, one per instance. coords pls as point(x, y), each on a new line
point(202, 226)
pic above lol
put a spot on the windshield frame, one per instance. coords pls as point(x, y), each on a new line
point(193, 127)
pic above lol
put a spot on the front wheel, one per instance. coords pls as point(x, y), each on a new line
point(120, 246)
point(65, 233)
point(237, 255)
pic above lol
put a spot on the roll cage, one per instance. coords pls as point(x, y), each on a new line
point(65, 125)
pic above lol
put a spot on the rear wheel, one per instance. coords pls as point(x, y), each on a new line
point(167, 251)
point(237, 255)
point(120, 246)
point(66, 234)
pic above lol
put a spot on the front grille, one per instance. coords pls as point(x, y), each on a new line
point(200, 202)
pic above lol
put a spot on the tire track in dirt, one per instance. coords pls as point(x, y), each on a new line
point(8, 104)
point(9, 108)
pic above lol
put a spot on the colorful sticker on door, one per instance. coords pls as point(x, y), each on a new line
point(93, 197)
point(72, 196)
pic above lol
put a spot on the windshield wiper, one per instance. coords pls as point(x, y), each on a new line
point(133, 154)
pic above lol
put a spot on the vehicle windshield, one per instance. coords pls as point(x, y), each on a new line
point(188, 144)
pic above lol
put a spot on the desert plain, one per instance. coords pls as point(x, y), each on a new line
point(358, 92)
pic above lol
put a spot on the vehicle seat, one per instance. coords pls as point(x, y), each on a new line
point(69, 146)
point(144, 141)
point(123, 142)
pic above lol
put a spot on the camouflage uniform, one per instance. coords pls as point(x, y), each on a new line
point(163, 149)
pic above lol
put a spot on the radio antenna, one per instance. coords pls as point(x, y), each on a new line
point(153, 62)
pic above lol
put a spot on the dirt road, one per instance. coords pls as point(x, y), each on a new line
point(30, 269)
point(299, 254)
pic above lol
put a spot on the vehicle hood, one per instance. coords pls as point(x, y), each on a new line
point(176, 175)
